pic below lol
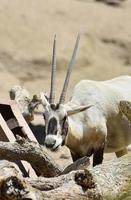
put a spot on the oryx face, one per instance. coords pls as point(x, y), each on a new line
point(56, 122)
point(56, 126)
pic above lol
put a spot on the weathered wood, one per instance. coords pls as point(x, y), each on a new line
point(24, 149)
point(81, 163)
point(13, 186)
point(11, 124)
point(113, 177)
point(111, 180)
point(106, 181)
point(32, 152)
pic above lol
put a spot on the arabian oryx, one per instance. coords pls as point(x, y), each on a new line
point(25, 103)
point(91, 122)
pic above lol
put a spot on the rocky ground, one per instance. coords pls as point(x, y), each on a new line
point(26, 34)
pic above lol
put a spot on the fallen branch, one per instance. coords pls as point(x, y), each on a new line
point(24, 149)
point(31, 152)
point(46, 184)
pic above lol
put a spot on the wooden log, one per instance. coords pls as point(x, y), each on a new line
point(111, 180)
point(13, 186)
point(24, 149)
point(81, 163)
point(107, 181)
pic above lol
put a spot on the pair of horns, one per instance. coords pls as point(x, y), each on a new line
point(53, 73)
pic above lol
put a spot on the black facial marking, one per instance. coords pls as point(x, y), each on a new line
point(65, 118)
point(65, 126)
point(52, 126)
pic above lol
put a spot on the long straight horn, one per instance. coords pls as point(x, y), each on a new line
point(69, 70)
point(53, 73)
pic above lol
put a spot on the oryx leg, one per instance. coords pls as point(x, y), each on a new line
point(98, 156)
point(100, 146)
point(75, 156)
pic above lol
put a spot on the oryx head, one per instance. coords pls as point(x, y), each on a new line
point(56, 115)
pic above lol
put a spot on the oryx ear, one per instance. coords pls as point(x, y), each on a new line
point(78, 110)
point(44, 100)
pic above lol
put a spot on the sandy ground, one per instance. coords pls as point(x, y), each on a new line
point(26, 34)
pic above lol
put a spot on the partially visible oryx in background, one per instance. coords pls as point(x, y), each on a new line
point(91, 122)
point(25, 103)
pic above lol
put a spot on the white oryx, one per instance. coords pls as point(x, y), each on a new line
point(91, 122)
point(25, 103)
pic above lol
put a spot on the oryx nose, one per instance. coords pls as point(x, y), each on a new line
point(50, 143)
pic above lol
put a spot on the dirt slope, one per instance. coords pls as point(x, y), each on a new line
point(27, 29)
